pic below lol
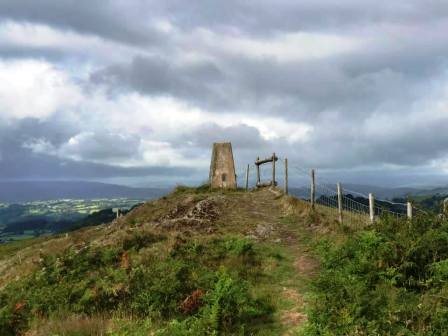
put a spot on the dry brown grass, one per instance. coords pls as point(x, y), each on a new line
point(71, 325)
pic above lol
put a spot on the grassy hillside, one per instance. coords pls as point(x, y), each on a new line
point(229, 263)
point(190, 263)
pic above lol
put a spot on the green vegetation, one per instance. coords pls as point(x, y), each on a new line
point(432, 203)
point(194, 288)
point(389, 279)
point(197, 262)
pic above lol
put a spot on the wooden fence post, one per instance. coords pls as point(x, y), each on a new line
point(247, 178)
point(258, 171)
point(286, 176)
point(273, 169)
point(409, 210)
point(340, 202)
point(313, 188)
point(372, 208)
point(445, 207)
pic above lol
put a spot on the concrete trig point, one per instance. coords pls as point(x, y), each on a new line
point(222, 167)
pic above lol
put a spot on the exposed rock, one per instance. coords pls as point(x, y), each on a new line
point(195, 215)
point(262, 231)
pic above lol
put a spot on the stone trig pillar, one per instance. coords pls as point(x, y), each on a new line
point(222, 167)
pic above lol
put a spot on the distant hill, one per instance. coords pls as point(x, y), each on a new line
point(379, 192)
point(431, 192)
point(382, 192)
point(28, 191)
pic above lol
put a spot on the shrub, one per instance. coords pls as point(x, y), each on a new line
point(157, 290)
point(386, 280)
point(203, 286)
point(229, 308)
point(239, 247)
point(140, 239)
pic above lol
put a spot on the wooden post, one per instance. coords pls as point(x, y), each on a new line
point(247, 178)
point(409, 210)
point(313, 188)
point(258, 171)
point(445, 207)
point(273, 169)
point(286, 176)
point(372, 208)
point(340, 202)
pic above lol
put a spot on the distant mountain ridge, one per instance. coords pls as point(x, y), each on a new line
point(28, 191)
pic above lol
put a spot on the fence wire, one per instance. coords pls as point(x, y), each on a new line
point(355, 204)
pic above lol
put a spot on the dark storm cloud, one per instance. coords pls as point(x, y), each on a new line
point(108, 19)
point(408, 146)
point(125, 20)
point(355, 84)
point(242, 136)
point(271, 16)
point(14, 52)
point(26, 165)
point(198, 82)
point(19, 162)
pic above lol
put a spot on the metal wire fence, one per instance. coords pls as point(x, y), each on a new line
point(350, 206)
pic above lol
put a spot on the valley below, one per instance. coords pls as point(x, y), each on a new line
point(40, 218)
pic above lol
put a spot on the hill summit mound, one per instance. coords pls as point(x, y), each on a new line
point(192, 262)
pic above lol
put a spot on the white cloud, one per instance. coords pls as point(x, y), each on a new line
point(30, 88)
point(272, 128)
point(136, 130)
point(286, 47)
point(161, 153)
point(40, 146)
point(42, 36)
point(33, 36)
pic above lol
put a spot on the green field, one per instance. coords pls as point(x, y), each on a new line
point(51, 211)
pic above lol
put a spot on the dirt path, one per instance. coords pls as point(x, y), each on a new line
point(267, 217)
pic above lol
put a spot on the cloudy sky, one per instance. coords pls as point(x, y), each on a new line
point(135, 92)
